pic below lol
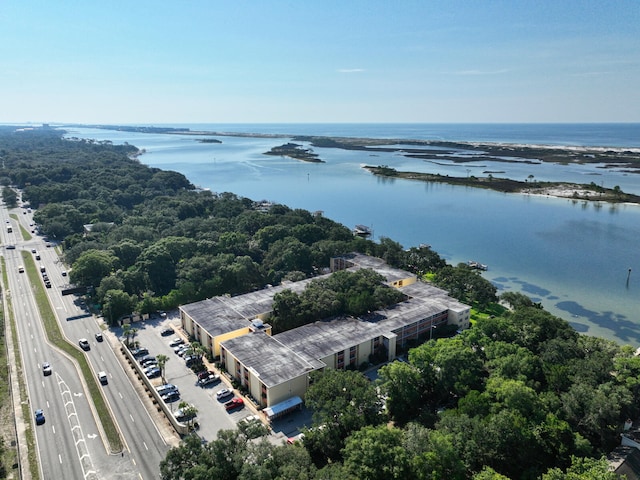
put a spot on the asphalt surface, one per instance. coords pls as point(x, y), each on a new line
point(71, 442)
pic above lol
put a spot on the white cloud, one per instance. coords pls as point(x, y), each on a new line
point(351, 70)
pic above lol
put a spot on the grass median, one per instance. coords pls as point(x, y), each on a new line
point(12, 454)
point(55, 336)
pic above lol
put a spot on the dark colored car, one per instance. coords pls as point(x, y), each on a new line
point(152, 372)
point(204, 374)
point(167, 332)
point(140, 352)
point(210, 380)
point(192, 360)
point(172, 396)
point(39, 414)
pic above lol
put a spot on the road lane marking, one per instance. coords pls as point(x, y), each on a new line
point(121, 397)
point(132, 419)
point(60, 459)
point(145, 445)
point(82, 452)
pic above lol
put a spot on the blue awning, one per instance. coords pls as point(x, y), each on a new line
point(283, 407)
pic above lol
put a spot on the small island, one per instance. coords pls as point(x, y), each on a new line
point(591, 192)
point(296, 151)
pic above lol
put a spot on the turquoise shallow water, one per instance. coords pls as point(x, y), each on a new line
point(571, 256)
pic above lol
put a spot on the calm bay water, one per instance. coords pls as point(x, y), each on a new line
point(571, 256)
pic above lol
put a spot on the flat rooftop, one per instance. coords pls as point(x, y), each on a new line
point(271, 361)
point(365, 261)
point(321, 339)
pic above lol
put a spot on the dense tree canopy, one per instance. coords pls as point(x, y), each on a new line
point(343, 293)
point(520, 395)
point(486, 404)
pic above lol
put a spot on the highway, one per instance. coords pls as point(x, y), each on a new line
point(70, 442)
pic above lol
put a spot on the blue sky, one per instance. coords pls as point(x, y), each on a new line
point(319, 61)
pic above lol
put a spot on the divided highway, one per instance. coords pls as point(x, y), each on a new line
point(69, 442)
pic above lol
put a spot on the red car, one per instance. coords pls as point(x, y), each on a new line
point(234, 403)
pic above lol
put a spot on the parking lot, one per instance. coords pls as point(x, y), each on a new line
point(211, 414)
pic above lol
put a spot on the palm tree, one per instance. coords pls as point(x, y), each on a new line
point(189, 412)
point(162, 361)
point(197, 350)
point(133, 334)
point(126, 331)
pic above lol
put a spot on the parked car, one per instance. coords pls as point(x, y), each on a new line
point(171, 396)
point(39, 414)
point(249, 419)
point(147, 359)
point(176, 341)
point(234, 403)
point(102, 376)
point(99, 337)
point(46, 369)
point(211, 379)
point(84, 344)
point(180, 349)
point(150, 364)
point(167, 331)
point(166, 388)
point(224, 393)
point(152, 372)
point(204, 374)
point(140, 352)
point(184, 414)
point(192, 360)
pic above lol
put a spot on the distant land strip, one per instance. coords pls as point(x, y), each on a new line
point(577, 191)
point(437, 151)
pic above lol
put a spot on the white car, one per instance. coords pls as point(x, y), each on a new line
point(250, 419)
point(176, 341)
point(102, 376)
point(224, 393)
point(46, 369)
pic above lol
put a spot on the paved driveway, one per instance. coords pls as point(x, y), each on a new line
point(212, 417)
